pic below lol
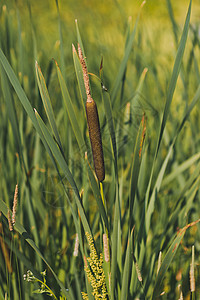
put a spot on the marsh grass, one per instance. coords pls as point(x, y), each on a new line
point(149, 201)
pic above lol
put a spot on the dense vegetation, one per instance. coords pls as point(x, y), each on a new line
point(136, 235)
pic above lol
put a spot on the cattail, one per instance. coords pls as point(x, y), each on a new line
point(15, 204)
point(138, 272)
point(95, 138)
point(9, 221)
point(192, 278)
point(76, 246)
point(93, 124)
point(106, 247)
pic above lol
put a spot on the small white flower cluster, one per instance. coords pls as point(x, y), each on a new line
point(29, 276)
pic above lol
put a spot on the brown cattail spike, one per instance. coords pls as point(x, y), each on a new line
point(95, 138)
point(93, 124)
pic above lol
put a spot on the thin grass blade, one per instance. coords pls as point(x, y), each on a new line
point(123, 64)
point(71, 112)
point(47, 103)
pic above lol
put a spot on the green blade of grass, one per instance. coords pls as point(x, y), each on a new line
point(115, 242)
point(174, 25)
point(123, 64)
point(71, 112)
point(47, 103)
point(108, 113)
point(175, 73)
point(12, 116)
point(180, 169)
point(97, 194)
point(135, 169)
point(18, 89)
point(127, 268)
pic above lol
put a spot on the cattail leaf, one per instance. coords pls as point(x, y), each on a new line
point(135, 173)
point(156, 189)
point(193, 180)
point(175, 73)
point(25, 235)
point(47, 103)
point(173, 21)
point(180, 169)
point(137, 101)
point(123, 64)
point(71, 112)
point(108, 113)
point(18, 89)
point(115, 242)
point(97, 194)
point(12, 116)
point(63, 165)
point(127, 268)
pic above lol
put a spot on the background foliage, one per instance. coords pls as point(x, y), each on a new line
point(167, 176)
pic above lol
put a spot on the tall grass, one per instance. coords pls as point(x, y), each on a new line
point(134, 235)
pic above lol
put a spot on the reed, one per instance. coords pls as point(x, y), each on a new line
point(93, 124)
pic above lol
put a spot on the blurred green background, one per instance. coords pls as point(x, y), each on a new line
point(32, 30)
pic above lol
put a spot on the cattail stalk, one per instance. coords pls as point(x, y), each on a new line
point(93, 124)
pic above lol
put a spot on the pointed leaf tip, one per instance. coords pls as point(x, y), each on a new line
point(143, 3)
point(55, 62)
point(73, 48)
